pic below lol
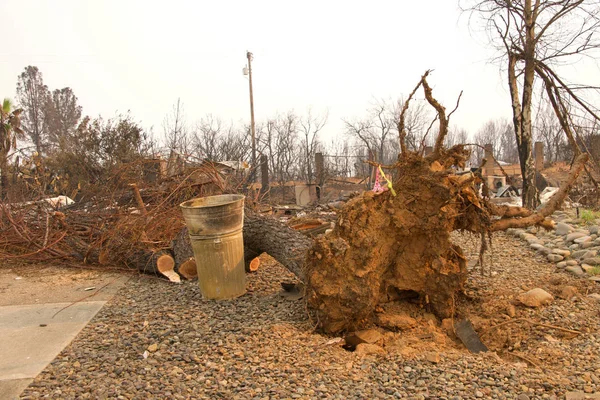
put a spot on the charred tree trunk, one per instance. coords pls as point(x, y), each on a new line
point(266, 234)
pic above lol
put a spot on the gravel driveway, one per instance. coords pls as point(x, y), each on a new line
point(160, 340)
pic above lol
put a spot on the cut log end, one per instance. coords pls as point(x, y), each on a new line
point(188, 269)
point(254, 265)
point(165, 264)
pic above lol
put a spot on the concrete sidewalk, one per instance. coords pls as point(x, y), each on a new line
point(32, 335)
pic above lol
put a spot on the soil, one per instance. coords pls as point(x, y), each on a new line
point(386, 244)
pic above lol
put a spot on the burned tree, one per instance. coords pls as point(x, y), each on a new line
point(534, 37)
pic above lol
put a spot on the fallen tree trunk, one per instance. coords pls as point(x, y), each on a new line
point(262, 234)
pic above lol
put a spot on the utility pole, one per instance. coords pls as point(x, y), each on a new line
point(252, 127)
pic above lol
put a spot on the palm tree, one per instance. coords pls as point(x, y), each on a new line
point(10, 128)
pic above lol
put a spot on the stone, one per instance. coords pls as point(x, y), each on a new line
point(407, 369)
point(511, 311)
point(396, 321)
point(368, 349)
point(590, 254)
point(594, 229)
point(433, 357)
point(583, 239)
point(595, 278)
point(522, 396)
point(587, 268)
point(572, 262)
point(527, 236)
point(153, 347)
point(562, 229)
point(574, 247)
point(546, 250)
point(535, 298)
point(562, 264)
point(579, 253)
point(369, 336)
point(587, 245)
point(562, 252)
point(575, 235)
point(555, 257)
point(536, 246)
point(568, 292)
point(595, 296)
point(575, 270)
point(591, 260)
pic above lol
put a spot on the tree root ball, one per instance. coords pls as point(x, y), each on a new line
point(384, 245)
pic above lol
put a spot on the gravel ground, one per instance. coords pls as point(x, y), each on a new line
point(263, 346)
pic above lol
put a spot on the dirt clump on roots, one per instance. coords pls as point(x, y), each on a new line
point(387, 247)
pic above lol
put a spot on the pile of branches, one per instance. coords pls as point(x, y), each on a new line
point(119, 224)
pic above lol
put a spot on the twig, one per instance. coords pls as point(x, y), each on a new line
point(85, 297)
point(558, 328)
point(138, 198)
point(401, 122)
point(524, 358)
point(47, 230)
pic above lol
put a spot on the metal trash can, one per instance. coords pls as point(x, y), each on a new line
point(215, 227)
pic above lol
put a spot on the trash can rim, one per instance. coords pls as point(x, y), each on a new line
point(233, 199)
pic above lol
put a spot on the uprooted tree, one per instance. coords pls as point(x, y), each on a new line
point(386, 244)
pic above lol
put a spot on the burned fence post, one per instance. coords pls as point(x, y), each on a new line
point(539, 155)
point(320, 170)
point(264, 174)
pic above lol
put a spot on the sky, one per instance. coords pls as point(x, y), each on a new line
point(329, 56)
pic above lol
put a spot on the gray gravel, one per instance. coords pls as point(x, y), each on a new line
point(262, 346)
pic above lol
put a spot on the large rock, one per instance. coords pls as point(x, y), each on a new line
point(369, 336)
point(555, 257)
point(563, 229)
point(367, 349)
point(583, 239)
point(575, 270)
point(579, 253)
point(536, 246)
point(575, 235)
point(562, 252)
point(591, 260)
point(396, 321)
point(587, 268)
point(535, 298)
point(594, 229)
point(590, 254)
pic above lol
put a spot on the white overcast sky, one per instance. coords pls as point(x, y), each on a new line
point(328, 55)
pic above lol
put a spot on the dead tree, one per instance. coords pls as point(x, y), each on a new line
point(535, 37)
